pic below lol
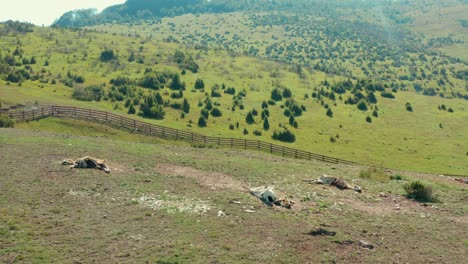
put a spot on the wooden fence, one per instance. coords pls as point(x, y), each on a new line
point(166, 132)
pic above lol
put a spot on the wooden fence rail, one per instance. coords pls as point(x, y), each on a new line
point(166, 132)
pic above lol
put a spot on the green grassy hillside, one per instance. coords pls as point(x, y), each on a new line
point(161, 204)
point(428, 138)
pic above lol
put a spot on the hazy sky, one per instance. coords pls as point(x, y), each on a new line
point(45, 12)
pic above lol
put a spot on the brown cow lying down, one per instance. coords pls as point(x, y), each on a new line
point(87, 162)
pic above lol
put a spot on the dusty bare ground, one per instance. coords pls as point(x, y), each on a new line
point(213, 180)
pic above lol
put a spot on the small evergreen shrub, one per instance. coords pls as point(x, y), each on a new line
point(6, 121)
point(284, 135)
point(362, 106)
point(249, 119)
point(202, 122)
point(387, 95)
point(131, 110)
point(409, 108)
point(419, 192)
point(396, 177)
point(215, 112)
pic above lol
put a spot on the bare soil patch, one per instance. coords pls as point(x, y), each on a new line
point(213, 180)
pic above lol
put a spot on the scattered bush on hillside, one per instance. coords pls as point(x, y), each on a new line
point(266, 124)
point(185, 62)
point(284, 135)
point(177, 95)
point(254, 112)
point(287, 93)
point(375, 113)
point(215, 91)
point(176, 83)
point(409, 108)
point(215, 112)
point(6, 121)
point(230, 90)
point(131, 109)
point(186, 106)
point(201, 122)
point(386, 94)
point(199, 84)
point(176, 105)
point(150, 107)
point(257, 132)
point(250, 118)
point(419, 192)
point(276, 95)
point(157, 80)
point(329, 112)
point(362, 106)
point(291, 120)
point(89, 93)
point(121, 80)
point(265, 113)
point(396, 177)
point(107, 55)
point(368, 119)
point(294, 107)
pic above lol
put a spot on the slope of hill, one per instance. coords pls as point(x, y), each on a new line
point(326, 113)
point(165, 203)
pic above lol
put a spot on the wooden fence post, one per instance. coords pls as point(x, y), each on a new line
point(231, 142)
point(219, 141)
point(34, 112)
point(134, 125)
point(295, 154)
point(258, 144)
point(192, 136)
point(309, 155)
point(75, 112)
point(163, 132)
point(107, 119)
point(205, 139)
point(283, 150)
point(177, 134)
point(271, 148)
point(23, 115)
point(245, 143)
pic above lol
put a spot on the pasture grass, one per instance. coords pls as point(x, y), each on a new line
point(62, 215)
